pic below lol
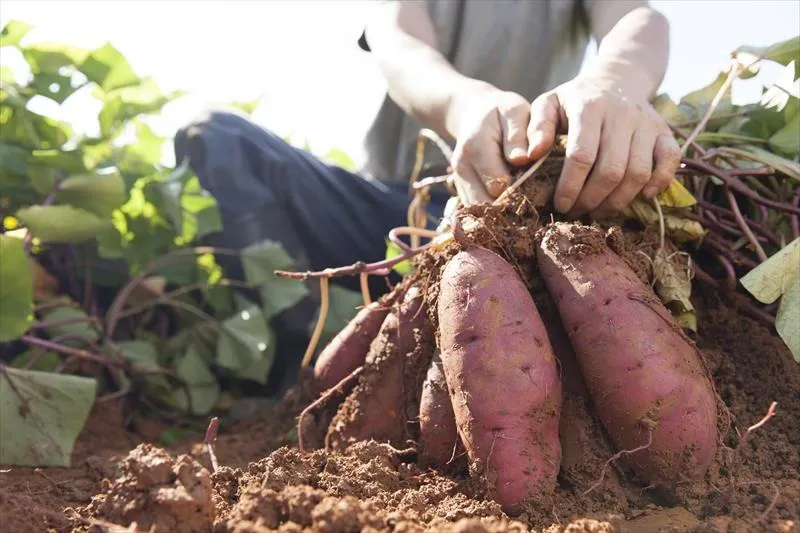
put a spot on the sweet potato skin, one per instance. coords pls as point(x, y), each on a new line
point(502, 374)
point(437, 426)
point(375, 407)
point(646, 378)
point(348, 349)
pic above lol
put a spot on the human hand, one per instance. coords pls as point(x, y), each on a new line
point(491, 135)
point(616, 147)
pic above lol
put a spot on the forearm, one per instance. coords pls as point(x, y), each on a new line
point(632, 57)
point(419, 78)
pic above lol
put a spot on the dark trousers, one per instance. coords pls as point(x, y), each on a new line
point(323, 215)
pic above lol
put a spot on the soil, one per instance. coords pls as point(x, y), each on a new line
point(123, 478)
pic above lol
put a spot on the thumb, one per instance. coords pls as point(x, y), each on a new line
point(514, 121)
point(543, 124)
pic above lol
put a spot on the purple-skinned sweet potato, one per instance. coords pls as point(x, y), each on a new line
point(348, 349)
point(502, 375)
point(439, 438)
point(375, 407)
point(646, 378)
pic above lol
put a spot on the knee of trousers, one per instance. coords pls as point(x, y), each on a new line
point(235, 160)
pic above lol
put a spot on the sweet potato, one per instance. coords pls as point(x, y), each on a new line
point(437, 425)
point(645, 376)
point(375, 407)
point(348, 349)
point(503, 376)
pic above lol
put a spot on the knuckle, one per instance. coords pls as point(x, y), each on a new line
point(594, 104)
point(581, 157)
point(639, 175)
point(612, 172)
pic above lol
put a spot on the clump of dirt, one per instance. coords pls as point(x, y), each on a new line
point(156, 492)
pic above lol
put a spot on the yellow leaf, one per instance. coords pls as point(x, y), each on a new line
point(674, 286)
point(677, 228)
point(676, 195)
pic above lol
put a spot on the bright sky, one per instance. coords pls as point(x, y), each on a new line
point(302, 55)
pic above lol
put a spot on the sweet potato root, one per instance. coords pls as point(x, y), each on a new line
point(375, 407)
point(502, 375)
point(348, 349)
point(645, 376)
point(437, 425)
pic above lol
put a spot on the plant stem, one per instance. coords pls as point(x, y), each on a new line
point(114, 310)
point(66, 350)
point(743, 225)
point(733, 73)
point(737, 186)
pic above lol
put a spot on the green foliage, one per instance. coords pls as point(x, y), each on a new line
point(42, 415)
point(176, 329)
point(779, 278)
point(16, 289)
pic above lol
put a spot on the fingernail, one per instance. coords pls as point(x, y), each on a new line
point(561, 204)
point(536, 140)
point(649, 192)
point(517, 153)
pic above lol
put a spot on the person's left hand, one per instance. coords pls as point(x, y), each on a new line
point(616, 147)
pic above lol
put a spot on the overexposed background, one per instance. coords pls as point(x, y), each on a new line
point(303, 58)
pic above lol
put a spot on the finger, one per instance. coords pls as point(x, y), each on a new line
point(484, 166)
point(667, 160)
point(469, 185)
point(611, 163)
point(514, 122)
point(583, 140)
point(544, 119)
point(637, 175)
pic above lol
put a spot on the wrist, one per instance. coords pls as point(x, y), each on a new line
point(623, 79)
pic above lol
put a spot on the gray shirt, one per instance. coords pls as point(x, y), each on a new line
point(525, 46)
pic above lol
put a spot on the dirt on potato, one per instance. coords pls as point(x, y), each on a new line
point(123, 477)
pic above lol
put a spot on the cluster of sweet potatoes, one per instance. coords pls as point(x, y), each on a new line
point(471, 368)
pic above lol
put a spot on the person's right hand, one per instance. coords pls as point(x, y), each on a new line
point(491, 136)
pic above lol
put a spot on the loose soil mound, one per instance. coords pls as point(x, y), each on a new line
point(121, 476)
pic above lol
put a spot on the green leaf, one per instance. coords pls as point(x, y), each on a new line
point(695, 104)
point(108, 68)
point(754, 153)
point(54, 86)
point(13, 32)
point(77, 323)
point(202, 385)
point(343, 306)
point(783, 52)
point(125, 103)
point(144, 357)
point(49, 58)
point(16, 289)
point(340, 159)
point(42, 414)
point(70, 161)
point(779, 277)
point(668, 109)
point(99, 194)
point(403, 267)
point(259, 262)
point(244, 344)
point(788, 318)
point(787, 139)
point(46, 363)
point(62, 223)
point(247, 107)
